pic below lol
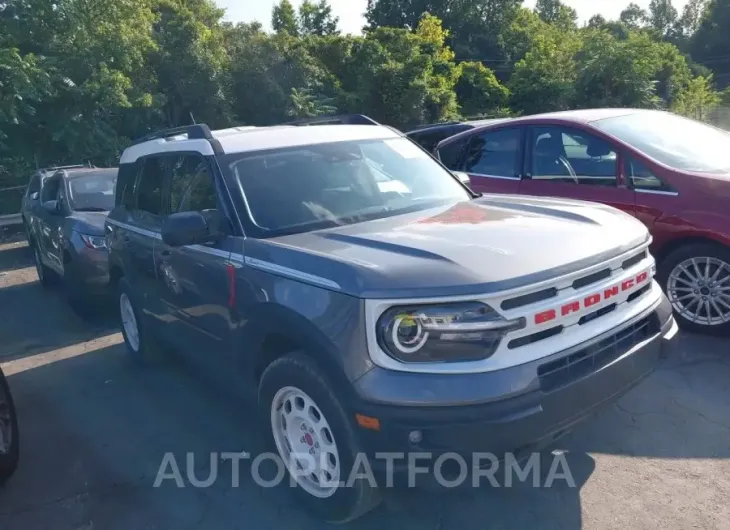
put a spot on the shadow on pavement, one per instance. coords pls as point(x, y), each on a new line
point(35, 320)
point(14, 256)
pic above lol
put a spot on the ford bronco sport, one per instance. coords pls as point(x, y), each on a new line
point(374, 301)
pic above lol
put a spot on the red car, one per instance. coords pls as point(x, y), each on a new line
point(670, 172)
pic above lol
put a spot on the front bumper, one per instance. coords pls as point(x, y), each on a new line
point(91, 267)
point(516, 410)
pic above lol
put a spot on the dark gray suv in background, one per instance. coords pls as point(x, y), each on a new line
point(64, 217)
point(373, 301)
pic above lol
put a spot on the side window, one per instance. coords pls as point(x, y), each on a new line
point(450, 154)
point(641, 178)
point(494, 153)
point(124, 193)
point(49, 191)
point(191, 188)
point(562, 154)
point(34, 186)
point(151, 182)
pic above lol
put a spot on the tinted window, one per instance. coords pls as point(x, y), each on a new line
point(678, 142)
point(641, 178)
point(93, 193)
point(326, 185)
point(183, 170)
point(49, 191)
point(429, 140)
point(200, 195)
point(568, 155)
point(35, 184)
point(494, 153)
point(451, 154)
point(125, 186)
point(150, 185)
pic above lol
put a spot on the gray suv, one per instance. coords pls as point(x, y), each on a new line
point(373, 301)
point(63, 213)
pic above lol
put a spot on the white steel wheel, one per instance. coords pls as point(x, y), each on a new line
point(129, 321)
point(305, 441)
point(699, 290)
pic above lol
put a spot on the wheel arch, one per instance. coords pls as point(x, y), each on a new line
point(276, 331)
point(675, 244)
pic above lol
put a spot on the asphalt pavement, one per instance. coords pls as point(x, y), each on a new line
point(95, 429)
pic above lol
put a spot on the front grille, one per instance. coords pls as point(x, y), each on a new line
point(633, 260)
point(564, 371)
point(527, 299)
point(591, 278)
point(535, 337)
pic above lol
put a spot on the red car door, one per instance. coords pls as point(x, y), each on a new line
point(493, 160)
point(571, 163)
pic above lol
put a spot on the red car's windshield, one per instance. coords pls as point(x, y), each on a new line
point(677, 142)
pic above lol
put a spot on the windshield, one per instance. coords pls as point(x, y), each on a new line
point(93, 193)
point(675, 141)
point(321, 186)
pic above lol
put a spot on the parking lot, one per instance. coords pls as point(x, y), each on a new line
point(95, 428)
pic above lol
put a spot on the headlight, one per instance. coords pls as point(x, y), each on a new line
point(95, 242)
point(443, 333)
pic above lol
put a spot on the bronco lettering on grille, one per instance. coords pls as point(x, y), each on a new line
point(591, 300)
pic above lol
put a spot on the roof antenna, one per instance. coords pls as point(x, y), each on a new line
point(192, 118)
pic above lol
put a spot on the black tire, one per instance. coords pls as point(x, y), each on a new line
point(671, 262)
point(9, 458)
point(300, 371)
point(146, 349)
point(46, 276)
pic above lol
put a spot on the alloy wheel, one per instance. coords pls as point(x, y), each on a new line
point(699, 290)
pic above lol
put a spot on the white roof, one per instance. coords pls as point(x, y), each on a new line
point(246, 139)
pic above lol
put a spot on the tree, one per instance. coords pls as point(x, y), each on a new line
point(692, 14)
point(544, 80)
point(478, 91)
point(597, 21)
point(618, 73)
point(634, 16)
point(317, 19)
point(191, 62)
point(556, 13)
point(710, 44)
point(284, 18)
point(662, 16)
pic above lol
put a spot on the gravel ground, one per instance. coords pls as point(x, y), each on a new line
point(94, 430)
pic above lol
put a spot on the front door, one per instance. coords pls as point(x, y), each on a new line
point(50, 223)
point(195, 282)
point(571, 163)
point(492, 160)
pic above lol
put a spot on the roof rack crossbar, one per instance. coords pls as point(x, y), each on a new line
point(198, 131)
point(334, 119)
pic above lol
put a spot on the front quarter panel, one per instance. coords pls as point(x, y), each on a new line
point(327, 323)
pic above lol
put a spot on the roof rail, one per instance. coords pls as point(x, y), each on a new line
point(429, 125)
point(197, 131)
point(342, 119)
point(56, 168)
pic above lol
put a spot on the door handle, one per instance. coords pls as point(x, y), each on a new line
point(165, 253)
point(125, 238)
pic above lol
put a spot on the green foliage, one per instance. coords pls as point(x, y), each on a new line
point(284, 18)
point(80, 78)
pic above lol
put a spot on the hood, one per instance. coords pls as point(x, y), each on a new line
point(91, 223)
point(474, 247)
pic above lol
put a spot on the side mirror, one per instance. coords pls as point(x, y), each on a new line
point(186, 228)
point(463, 177)
point(34, 196)
point(52, 207)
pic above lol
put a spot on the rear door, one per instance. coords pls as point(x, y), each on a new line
point(194, 282)
point(492, 159)
point(572, 163)
point(50, 222)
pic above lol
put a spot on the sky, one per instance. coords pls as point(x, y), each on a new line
point(351, 11)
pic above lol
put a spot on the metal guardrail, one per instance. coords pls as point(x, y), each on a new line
point(11, 220)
